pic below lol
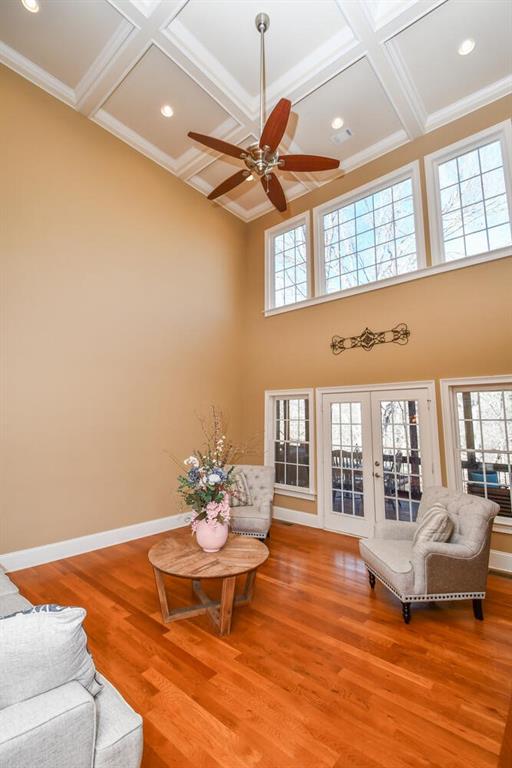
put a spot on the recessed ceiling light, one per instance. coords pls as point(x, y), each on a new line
point(337, 123)
point(466, 47)
point(31, 5)
point(250, 177)
point(167, 110)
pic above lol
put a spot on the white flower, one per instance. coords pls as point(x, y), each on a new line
point(213, 478)
point(191, 461)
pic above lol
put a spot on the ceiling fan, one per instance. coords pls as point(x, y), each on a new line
point(263, 157)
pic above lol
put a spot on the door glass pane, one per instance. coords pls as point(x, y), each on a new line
point(347, 459)
point(401, 458)
point(485, 444)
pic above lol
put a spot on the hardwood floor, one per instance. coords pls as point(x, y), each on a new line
point(318, 672)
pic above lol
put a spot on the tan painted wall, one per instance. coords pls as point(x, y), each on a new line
point(461, 321)
point(121, 317)
point(119, 320)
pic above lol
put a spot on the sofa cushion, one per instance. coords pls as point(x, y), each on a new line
point(435, 525)
point(13, 603)
point(43, 648)
point(391, 560)
point(119, 730)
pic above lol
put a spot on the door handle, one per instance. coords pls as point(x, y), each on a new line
point(376, 474)
point(377, 463)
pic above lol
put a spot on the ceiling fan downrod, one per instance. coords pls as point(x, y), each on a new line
point(262, 22)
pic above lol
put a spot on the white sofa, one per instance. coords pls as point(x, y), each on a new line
point(66, 727)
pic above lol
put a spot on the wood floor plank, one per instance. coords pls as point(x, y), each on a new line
point(318, 671)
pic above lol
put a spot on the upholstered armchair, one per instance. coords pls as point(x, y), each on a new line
point(433, 570)
point(255, 519)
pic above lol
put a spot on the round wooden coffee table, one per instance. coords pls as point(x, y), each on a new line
point(180, 555)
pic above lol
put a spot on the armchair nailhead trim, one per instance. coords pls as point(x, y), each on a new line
point(428, 598)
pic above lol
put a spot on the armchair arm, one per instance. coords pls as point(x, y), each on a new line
point(391, 530)
point(265, 508)
point(445, 567)
point(55, 729)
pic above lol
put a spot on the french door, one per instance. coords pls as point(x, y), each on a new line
point(377, 456)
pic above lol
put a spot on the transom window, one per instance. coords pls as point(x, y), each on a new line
point(289, 440)
point(472, 193)
point(371, 234)
point(287, 263)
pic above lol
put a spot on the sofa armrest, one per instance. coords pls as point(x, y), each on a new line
point(55, 729)
point(445, 567)
point(391, 530)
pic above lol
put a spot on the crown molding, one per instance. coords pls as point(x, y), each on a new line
point(468, 104)
point(37, 75)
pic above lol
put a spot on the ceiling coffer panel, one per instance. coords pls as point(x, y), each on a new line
point(64, 38)
point(156, 81)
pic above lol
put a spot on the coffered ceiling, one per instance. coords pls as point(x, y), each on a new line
point(389, 68)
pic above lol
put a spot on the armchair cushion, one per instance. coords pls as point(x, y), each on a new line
point(435, 525)
point(241, 496)
point(390, 560)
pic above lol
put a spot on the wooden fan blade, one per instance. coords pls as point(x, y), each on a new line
point(275, 126)
point(307, 163)
point(219, 145)
point(230, 183)
point(274, 190)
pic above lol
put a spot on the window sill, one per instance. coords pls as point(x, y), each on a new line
point(418, 274)
point(307, 494)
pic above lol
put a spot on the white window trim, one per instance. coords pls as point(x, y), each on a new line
point(448, 387)
point(378, 285)
point(501, 131)
point(286, 226)
point(412, 170)
point(309, 494)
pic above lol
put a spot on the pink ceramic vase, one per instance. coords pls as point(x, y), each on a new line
point(211, 536)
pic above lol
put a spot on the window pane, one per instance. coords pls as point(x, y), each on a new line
point(291, 441)
point(485, 445)
point(289, 261)
point(384, 218)
point(474, 208)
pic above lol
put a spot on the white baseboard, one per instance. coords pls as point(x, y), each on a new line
point(26, 558)
point(500, 561)
point(293, 516)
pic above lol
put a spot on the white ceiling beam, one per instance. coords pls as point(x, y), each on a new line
point(124, 57)
point(407, 111)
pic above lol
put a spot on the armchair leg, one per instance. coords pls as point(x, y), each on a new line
point(406, 612)
point(371, 579)
point(478, 609)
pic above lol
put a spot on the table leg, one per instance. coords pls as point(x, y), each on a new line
point(248, 592)
point(226, 605)
point(162, 595)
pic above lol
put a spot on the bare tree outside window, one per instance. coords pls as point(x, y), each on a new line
point(370, 239)
point(484, 420)
point(474, 207)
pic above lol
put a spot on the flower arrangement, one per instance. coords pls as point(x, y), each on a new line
point(207, 485)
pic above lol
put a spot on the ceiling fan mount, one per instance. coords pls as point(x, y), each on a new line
point(262, 157)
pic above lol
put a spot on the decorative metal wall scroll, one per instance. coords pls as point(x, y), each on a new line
point(368, 339)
